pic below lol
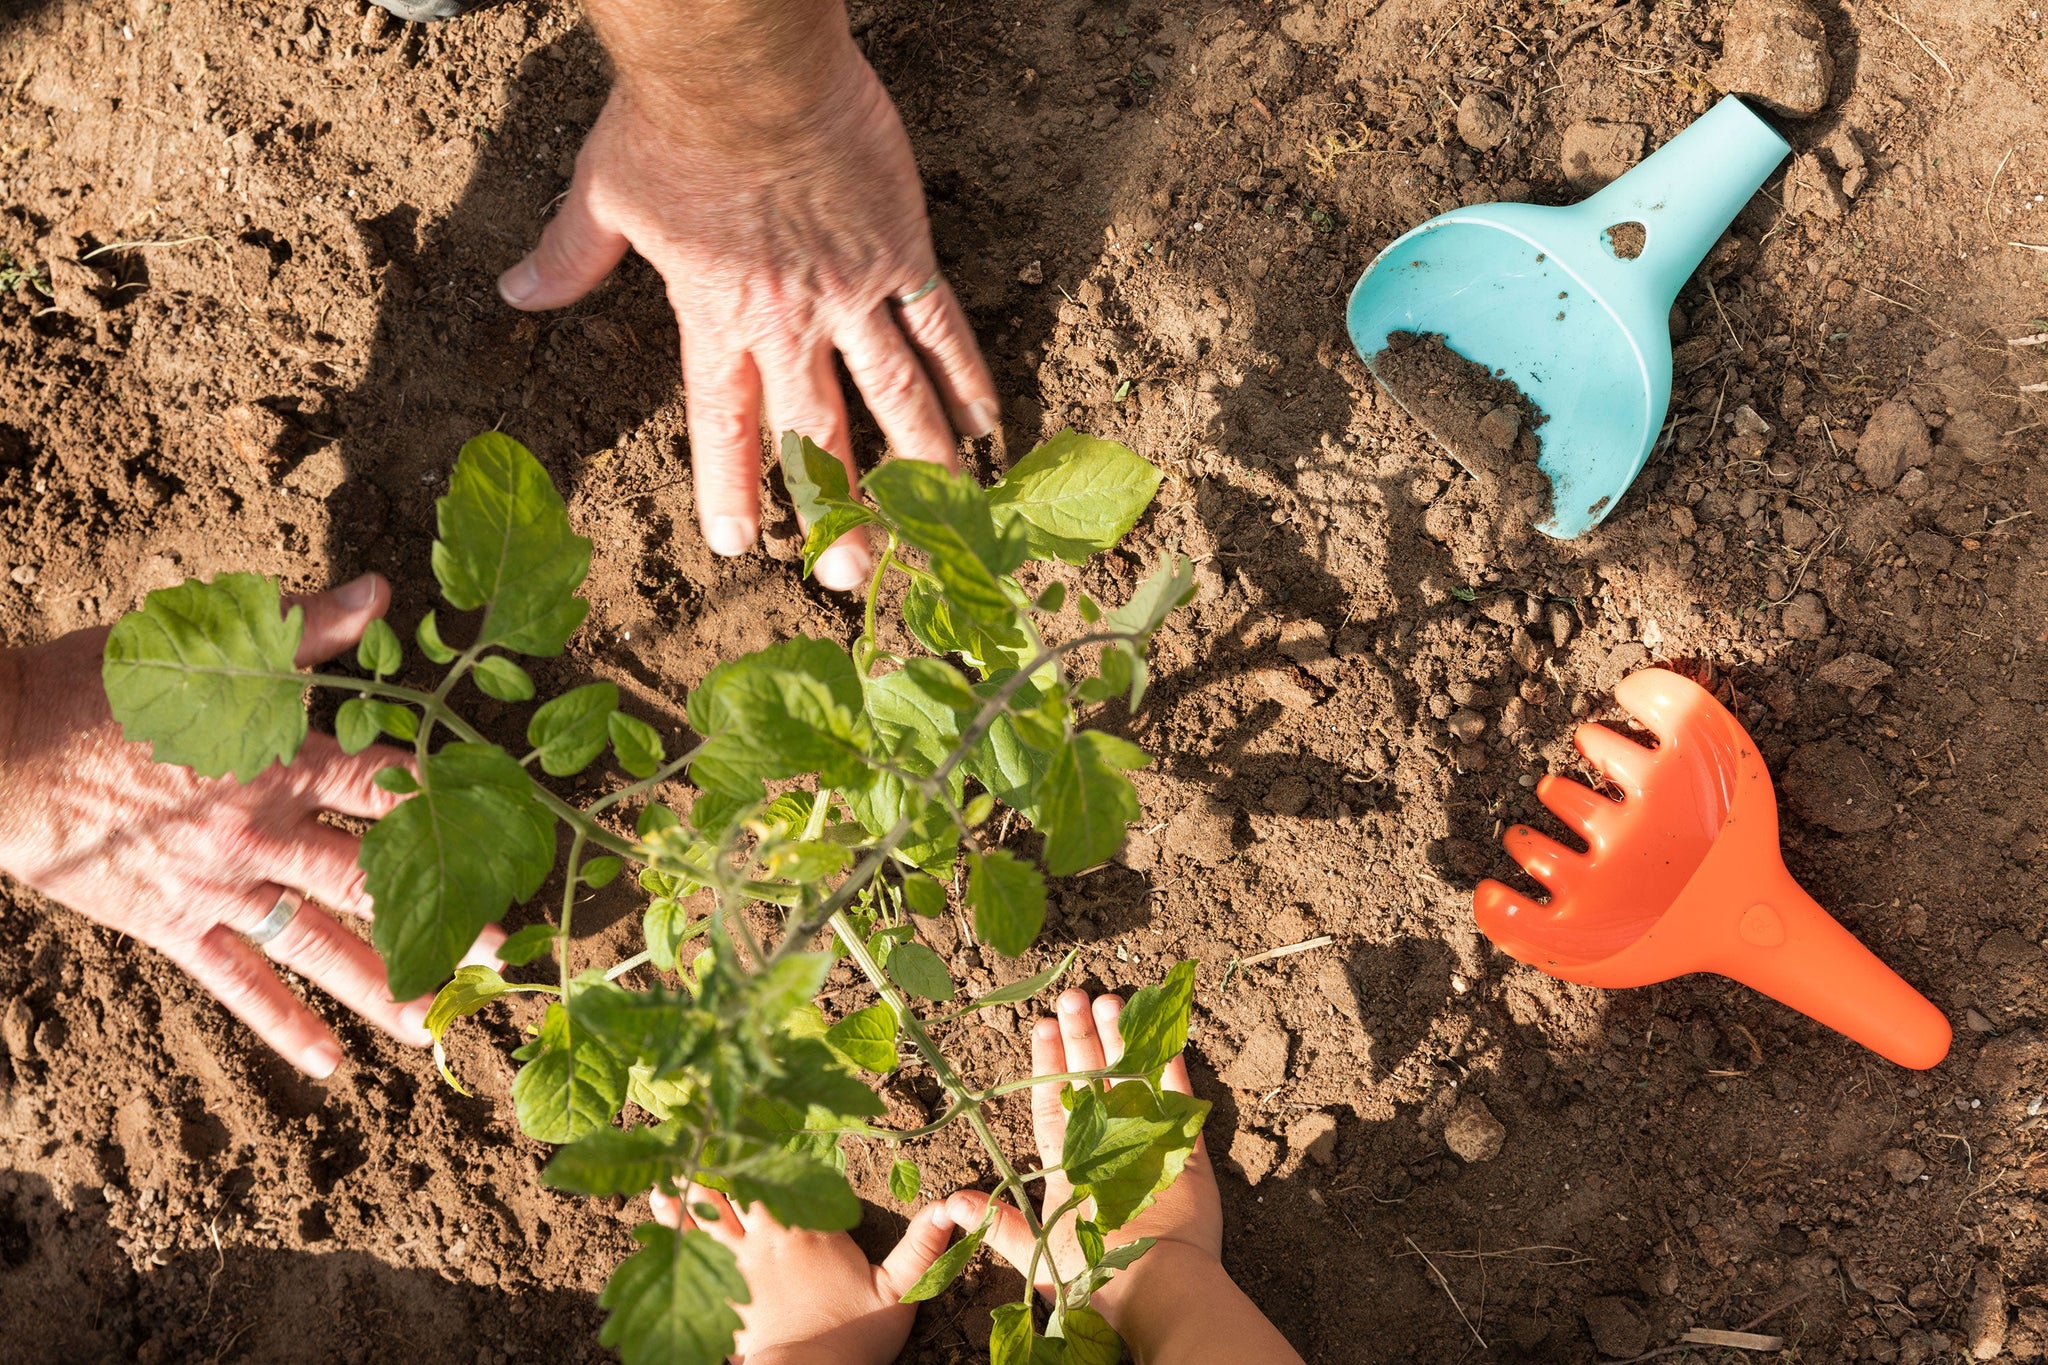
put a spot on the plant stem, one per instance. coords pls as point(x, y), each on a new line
point(864, 649)
point(1108, 1073)
point(629, 964)
point(569, 908)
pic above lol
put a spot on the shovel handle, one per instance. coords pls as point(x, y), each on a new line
point(1794, 951)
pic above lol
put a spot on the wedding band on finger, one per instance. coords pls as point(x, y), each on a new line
point(905, 300)
point(275, 923)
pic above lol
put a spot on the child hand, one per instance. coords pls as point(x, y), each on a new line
point(1186, 1218)
point(816, 1298)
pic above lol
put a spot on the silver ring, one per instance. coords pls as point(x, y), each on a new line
point(905, 300)
point(273, 924)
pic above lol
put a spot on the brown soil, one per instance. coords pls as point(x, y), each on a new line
point(1486, 422)
point(1194, 185)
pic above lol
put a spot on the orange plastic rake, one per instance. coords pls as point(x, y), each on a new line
point(1684, 875)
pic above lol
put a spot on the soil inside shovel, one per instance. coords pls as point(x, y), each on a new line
point(1485, 421)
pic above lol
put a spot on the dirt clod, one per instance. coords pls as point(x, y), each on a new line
point(1618, 1330)
point(1473, 1132)
point(1314, 1136)
point(1775, 52)
point(1855, 672)
point(1893, 440)
point(1904, 1165)
point(1261, 1063)
point(1834, 784)
point(1483, 123)
point(1254, 1155)
point(1984, 1321)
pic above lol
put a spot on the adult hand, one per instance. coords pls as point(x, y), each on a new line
point(188, 864)
point(816, 1299)
point(751, 154)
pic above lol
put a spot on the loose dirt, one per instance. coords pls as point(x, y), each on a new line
point(1152, 211)
point(1486, 423)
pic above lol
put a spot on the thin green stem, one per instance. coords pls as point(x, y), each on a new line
point(569, 907)
point(648, 783)
point(644, 955)
point(1108, 1073)
point(864, 649)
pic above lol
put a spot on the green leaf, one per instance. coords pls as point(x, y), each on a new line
point(610, 1161)
point(505, 546)
point(813, 1075)
point(1085, 801)
point(1148, 1140)
point(1052, 598)
point(946, 1269)
point(667, 926)
point(987, 645)
point(808, 860)
point(1089, 1235)
point(1017, 992)
point(1155, 1022)
point(1009, 1337)
point(429, 636)
point(599, 872)
point(920, 971)
point(497, 676)
point(396, 779)
point(355, 726)
point(671, 1301)
point(473, 988)
point(400, 722)
point(1085, 604)
point(571, 730)
point(923, 895)
point(866, 1039)
point(1075, 496)
point(1008, 896)
point(379, 651)
point(792, 708)
point(526, 945)
point(572, 1086)
point(655, 816)
point(1170, 586)
point(797, 1190)
point(947, 516)
point(637, 743)
point(451, 860)
point(1113, 679)
point(979, 809)
point(661, 1029)
point(1089, 1338)
point(818, 489)
point(905, 1180)
point(944, 684)
point(826, 530)
point(205, 674)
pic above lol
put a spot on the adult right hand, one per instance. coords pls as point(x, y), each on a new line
point(189, 864)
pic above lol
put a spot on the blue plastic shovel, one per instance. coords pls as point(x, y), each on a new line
point(1540, 296)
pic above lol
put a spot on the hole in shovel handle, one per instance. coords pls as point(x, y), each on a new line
point(1626, 240)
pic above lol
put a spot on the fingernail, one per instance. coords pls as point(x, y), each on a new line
point(844, 567)
point(981, 416)
point(413, 1018)
point(357, 593)
point(519, 284)
point(320, 1060)
point(729, 535)
point(1073, 1003)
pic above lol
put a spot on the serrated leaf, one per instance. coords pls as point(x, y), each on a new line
point(1089, 1338)
point(947, 516)
point(428, 634)
point(205, 674)
point(1169, 1123)
point(1008, 896)
point(1085, 801)
point(820, 494)
point(497, 676)
point(1017, 992)
point(379, 652)
point(527, 944)
point(573, 1085)
point(396, 780)
point(598, 873)
point(659, 1028)
point(866, 1039)
point(1154, 1023)
point(400, 722)
point(505, 545)
point(905, 1180)
point(355, 727)
point(671, 1301)
point(798, 1191)
point(570, 731)
point(1010, 1334)
point(923, 895)
point(793, 708)
point(441, 866)
point(920, 971)
point(1170, 586)
point(637, 743)
point(939, 1278)
point(1052, 598)
point(1075, 496)
point(667, 926)
point(812, 1074)
point(610, 1161)
point(472, 988)
point(987, 645)
point(943, 683)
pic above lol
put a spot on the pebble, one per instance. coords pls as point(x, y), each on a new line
point(1619, 1332)
point(1033, 273)
point(1984, 1320)
point(1893, 440)
point(1775, 52)
point(24, 574)
point(1904, 1166)
point(1473, 1132)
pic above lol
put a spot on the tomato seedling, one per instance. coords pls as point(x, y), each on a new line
point(887, 769)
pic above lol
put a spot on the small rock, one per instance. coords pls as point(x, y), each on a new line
point(1483, 122)
point(1776, 52)
point(1560, 625)
point(1523, 649)
point(2008, 948)
point(1856, 672)
point(1904, 1165)
point(1288, 796)
point(1473, 1132)
point(1468, 725)
point(1893, 440)
point(1262, 1063)
point(1797, 529)
point(1806, 617)
point(1978, 1023)
point(1984, 1320)
point(1913, 485)
point(1618, 1330)
point(376, 23)
point(1747, 423)
point(1305, 641)
point(1314, 1136)
point(1253, 1155)
point(1595, 153)
point(24, 574)
point(1500, 427)
point(1836, 785)
point(1033, 273)
point(18, 1029)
